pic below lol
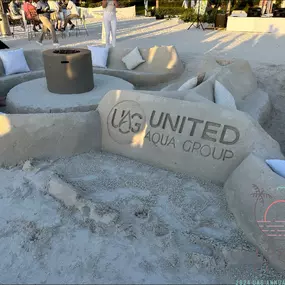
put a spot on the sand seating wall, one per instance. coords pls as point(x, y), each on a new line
point(255, 195)
point(199, 138)
point(162, 64)
point(195, 136)
point(238, 78)
point(47, 136)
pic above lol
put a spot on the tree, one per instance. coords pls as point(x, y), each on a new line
point(259, 194)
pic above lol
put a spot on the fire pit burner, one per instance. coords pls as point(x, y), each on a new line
point(68, 71)
point(66, 51)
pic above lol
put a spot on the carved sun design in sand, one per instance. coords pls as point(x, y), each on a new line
point(268, 215)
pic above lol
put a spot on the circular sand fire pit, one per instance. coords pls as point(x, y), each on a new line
point(68, 71)
point(34, 97)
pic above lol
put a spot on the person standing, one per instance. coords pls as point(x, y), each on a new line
point(73, 15)
point(110, 20)
point(145, 7)
point(43, 11)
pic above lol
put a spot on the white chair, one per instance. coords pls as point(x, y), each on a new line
point(80, 25)
point(28, 27)
point(14, 20)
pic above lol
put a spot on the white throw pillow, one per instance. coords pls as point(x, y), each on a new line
point(133, 59)
point(277, 165)
point(223, 96)
point(189, 84)
point(99, 56)
point(14, 61)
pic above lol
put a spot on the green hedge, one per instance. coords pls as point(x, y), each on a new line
point(90, 4)
point(169, 11)
point(168, 4)
point(140, 10)
point(188, 15)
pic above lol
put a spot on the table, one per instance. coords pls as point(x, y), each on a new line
point(34, 97)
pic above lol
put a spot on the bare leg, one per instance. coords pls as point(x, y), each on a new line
point(48, 25)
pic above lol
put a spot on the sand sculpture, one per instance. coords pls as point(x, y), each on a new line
point(238, 78)
point(162, 64)
point(197, 137)
point(48, 136)
point(201, 139)
point(255, 195)
point(24, 98)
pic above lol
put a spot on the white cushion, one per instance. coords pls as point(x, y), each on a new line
point(223, 96)
point(14, 61)
point(189, 84)
point(133, 59)
point(99, 56)
point(277, 165)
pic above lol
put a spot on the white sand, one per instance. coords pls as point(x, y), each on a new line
point(173, 229)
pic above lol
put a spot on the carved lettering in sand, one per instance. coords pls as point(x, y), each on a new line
point(207, 139)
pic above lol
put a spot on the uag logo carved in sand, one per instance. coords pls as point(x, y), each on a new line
point(267, 211)
point(125, 120)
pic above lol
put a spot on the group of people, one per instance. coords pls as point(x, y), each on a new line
point(43, 13)
point(56, 15)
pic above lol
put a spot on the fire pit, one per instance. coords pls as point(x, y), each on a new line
point(68, 71)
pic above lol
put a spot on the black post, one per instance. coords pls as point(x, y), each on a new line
point(197, 24)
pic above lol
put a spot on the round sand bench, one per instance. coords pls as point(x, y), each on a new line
point(238, 78)
point(162, 64)
point(34, 97)
point(256, 197)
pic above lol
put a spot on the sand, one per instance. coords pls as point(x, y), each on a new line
point(172, 228)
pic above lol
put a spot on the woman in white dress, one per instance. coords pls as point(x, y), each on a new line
point(110, 20)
